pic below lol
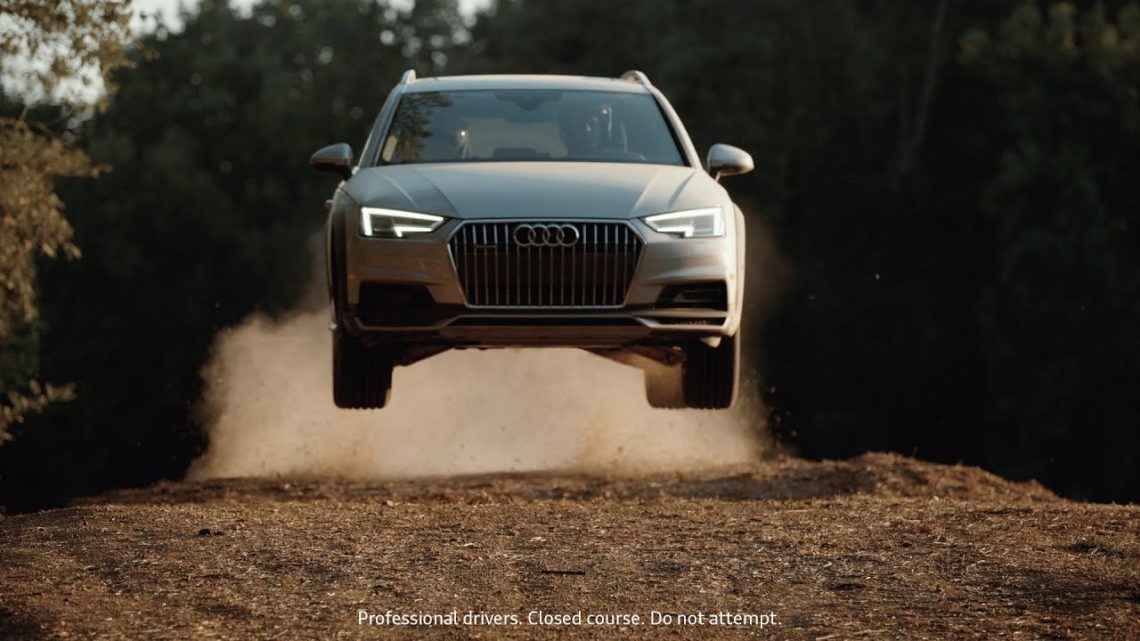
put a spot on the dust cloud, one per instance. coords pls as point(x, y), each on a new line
point(270, 412)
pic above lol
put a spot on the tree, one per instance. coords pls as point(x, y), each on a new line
point(208, 217)
point(54, 51)
point(1063, 204)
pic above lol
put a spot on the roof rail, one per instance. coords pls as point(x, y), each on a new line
point(409, 76)
point(633, 75)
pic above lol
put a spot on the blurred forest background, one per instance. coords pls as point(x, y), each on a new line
point(954, 185)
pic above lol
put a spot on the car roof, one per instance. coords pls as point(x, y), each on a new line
point(523, 81)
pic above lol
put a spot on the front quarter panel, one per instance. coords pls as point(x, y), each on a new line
point(335, 232)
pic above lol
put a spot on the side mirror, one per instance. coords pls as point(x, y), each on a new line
point(336, 159)
point(726, 160)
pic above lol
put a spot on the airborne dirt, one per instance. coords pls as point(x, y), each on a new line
point(268, 410)
point(878, 547)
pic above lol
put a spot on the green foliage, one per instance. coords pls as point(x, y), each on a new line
point(208, 215)
point(50, 50)
point(1063, 205)
point(64, 48)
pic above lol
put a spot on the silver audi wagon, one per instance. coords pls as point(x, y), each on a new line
point(535, 211)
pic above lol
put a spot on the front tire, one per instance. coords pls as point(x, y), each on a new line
point(362, 374)
point(712, 374)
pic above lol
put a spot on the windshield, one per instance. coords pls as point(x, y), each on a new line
point(529, 124)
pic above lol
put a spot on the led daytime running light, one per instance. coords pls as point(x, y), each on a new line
point(402, 222)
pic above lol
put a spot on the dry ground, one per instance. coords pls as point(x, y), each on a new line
point(878, 547)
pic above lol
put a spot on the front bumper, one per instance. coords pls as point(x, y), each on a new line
point(438, 309)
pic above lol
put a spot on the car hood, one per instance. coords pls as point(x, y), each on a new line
point(535, 189)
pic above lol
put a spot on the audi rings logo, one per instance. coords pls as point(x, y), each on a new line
point(546, 235)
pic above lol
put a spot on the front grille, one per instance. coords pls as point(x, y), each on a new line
point(595, 271)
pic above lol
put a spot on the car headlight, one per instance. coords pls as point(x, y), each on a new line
point(693, 223)
point(378, 222)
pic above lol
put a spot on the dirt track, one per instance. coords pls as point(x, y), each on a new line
point(879, 547)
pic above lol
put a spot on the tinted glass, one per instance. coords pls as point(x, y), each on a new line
point(531, 125)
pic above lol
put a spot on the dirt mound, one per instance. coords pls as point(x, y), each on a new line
point(877, 547)
point(782, 478)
